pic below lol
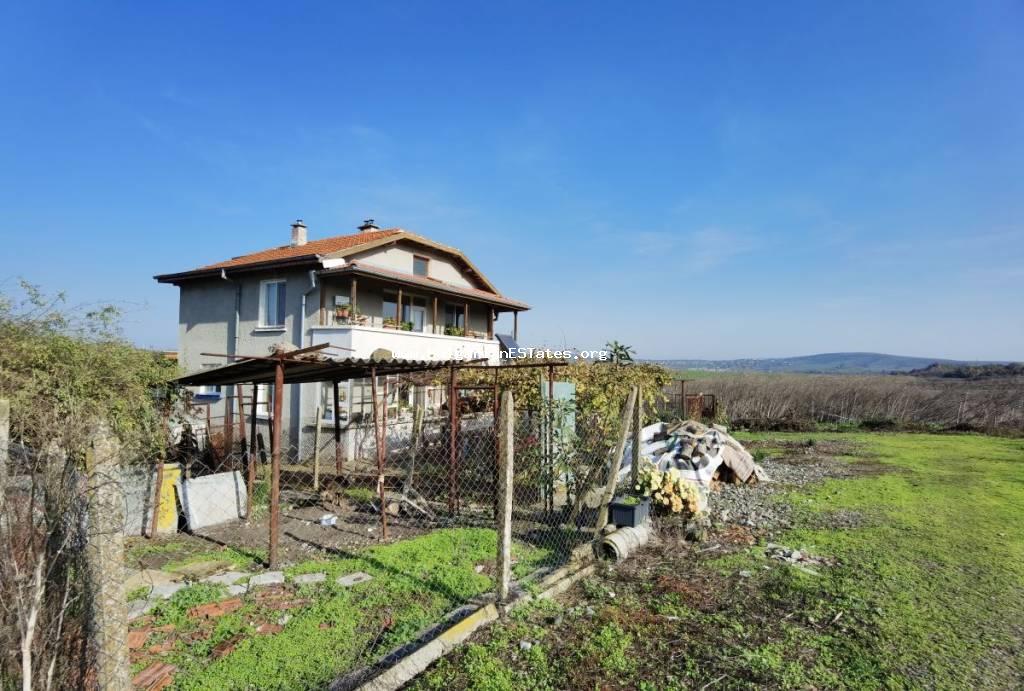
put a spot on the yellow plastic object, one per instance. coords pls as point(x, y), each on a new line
point(167, 518)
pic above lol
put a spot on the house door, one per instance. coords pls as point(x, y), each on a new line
point(418, 317)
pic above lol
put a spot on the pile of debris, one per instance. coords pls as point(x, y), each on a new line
point(702, 454)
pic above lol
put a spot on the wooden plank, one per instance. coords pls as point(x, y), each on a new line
point(613, 476)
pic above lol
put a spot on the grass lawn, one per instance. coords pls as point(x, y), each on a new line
point(927, 591)
point(415, 583)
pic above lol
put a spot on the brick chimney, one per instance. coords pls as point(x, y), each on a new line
point(368, 225)
point(298, 233)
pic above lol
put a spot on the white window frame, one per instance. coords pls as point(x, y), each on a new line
point(327, 403)
point(209, 391)
point(262, 317)
point(264, 401)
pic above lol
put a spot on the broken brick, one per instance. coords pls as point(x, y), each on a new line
point(162, 648)
point(158, 675)
point(137, 638)
point(267, 629)
point(225, 647)
point(212, 610)
point(287, 604)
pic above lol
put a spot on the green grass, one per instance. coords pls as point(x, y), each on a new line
point(928, 591)
point(416, 582)
point(175, 553)
point(934, 579)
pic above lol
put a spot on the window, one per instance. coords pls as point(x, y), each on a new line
point(414, 311)
point(389, 308)
point(327, 402)
point(272, 294)
point(420, 265)
point(265, 400)
point(454, 316)
point(208, 391)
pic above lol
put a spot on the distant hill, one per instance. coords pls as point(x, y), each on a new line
point(822, 363)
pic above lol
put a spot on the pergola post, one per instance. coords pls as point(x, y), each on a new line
point(275, 462)
point(515, 326)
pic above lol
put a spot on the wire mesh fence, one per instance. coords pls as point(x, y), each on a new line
point(420, 475)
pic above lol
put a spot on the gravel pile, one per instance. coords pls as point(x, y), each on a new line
point(754, 506)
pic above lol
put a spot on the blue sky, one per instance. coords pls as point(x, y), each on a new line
point(695, 179)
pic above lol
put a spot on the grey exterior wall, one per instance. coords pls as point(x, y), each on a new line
point(206, 316)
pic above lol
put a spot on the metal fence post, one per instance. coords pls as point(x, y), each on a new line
point(506, 454)
point(613, 472)
point(105, 555)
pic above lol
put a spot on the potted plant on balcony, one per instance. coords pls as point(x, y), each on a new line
point(454, 331)
point(342, 312)
point(390, 323)
point(406, 326)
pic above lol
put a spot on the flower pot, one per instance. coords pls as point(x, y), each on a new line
point(624, 513)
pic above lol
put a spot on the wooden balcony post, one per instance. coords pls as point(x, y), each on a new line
point(352, 292)
point(398, 309)
point(465, 319)
point(490, 322)
point(434, 323)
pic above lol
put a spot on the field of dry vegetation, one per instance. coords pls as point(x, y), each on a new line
point(802, 401)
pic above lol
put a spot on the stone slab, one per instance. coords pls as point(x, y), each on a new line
point(354, 578)
point(227, 578)
point(267, 578)
point(202, 569)
point(165, 590)
point(305, 578)
point(149, 578)
point(212, 499)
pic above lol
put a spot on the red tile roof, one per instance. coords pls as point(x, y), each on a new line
point(311, 248)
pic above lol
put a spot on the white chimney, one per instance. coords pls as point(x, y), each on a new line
point(298, 233)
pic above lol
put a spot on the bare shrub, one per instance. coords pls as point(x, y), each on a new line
point(879, 401)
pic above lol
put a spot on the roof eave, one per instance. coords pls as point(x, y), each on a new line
point(212, 272)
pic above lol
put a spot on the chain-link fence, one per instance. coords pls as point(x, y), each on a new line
point(413, 505)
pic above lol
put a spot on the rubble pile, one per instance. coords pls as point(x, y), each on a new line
point(702, 454)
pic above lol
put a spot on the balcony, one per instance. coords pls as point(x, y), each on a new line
point(363, 339)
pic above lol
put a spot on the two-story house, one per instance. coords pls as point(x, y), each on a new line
point(375, 289)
